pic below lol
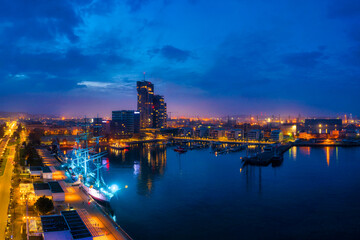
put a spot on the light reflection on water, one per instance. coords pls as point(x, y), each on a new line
point(199, 196)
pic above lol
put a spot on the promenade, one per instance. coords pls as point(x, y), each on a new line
point(98, 222)
point(225, 141)
point(78, 200)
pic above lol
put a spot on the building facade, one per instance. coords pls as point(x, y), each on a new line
point(277, 136)
point(125, 123)
point(159, 112)
point(145, 98)
point(97, 127)
point(255, 135)
point(322, 126)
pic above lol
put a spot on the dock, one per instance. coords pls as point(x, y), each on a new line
point(266, 158)
point(222, 141)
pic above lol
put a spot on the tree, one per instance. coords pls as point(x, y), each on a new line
point(2, 130)
point(44, 205)
point(35, 136)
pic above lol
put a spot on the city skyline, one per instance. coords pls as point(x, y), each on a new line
point(206, 58)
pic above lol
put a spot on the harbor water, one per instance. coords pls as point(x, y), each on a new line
point(314, 194)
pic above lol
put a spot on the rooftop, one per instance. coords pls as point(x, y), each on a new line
point(55, 187)
point(53, 223)
point(77, 227)
point(41, 186)
point(35, 168)
point(46, 170)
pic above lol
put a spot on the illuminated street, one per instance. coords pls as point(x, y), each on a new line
point(5, 181)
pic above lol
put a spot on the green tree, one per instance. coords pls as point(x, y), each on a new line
point(44, 205)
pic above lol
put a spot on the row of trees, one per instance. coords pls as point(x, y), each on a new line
point(2, 130)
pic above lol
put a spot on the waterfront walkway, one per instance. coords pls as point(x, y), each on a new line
point(79, 200)
point(225, 141)
point(100, 224)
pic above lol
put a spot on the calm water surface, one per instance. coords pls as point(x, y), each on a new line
point(314, 194)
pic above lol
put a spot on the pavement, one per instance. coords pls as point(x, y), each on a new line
point(79, 200)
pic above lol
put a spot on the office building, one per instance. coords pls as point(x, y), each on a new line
point(145, 97)
point(97, 127)
point(159, 112)
point(125, 123)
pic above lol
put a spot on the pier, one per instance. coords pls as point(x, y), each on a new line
point(265, 158)
point(260, 143)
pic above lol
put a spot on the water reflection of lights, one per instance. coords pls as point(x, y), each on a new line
point(294, 153)
point(136, 168)
point(337, 154)
point(328, 155)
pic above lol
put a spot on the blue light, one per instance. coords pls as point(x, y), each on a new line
point(114, 188)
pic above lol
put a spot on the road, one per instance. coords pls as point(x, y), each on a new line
point(5, 180)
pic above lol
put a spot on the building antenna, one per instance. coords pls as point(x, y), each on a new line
point(144, 75)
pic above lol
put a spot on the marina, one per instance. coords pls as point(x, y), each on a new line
point(169, 192)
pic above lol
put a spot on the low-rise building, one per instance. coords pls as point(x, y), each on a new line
point(35, 171)
point(68, 225)
point(217, 133)
point(55, 228)
point(322, 126)
point(42, 189)
point(57, 193)
point(276, 135)
point(255, 135)
point(235, 134)
point(202, 132)
point(51, 190)
point(47, 173)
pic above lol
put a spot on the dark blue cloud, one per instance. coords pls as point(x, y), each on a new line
point(172, 53)
point(136, 5)
point(344, 9)
point(304, 59)
point(214, 52)
point(40, 19)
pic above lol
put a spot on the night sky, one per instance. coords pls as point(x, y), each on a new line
point(208, 58)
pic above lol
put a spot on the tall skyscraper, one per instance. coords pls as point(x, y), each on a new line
point(145, 97)
point(159, 112)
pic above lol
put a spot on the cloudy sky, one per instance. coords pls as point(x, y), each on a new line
point(83, 57)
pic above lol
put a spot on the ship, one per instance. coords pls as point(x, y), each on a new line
point(84, 167)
